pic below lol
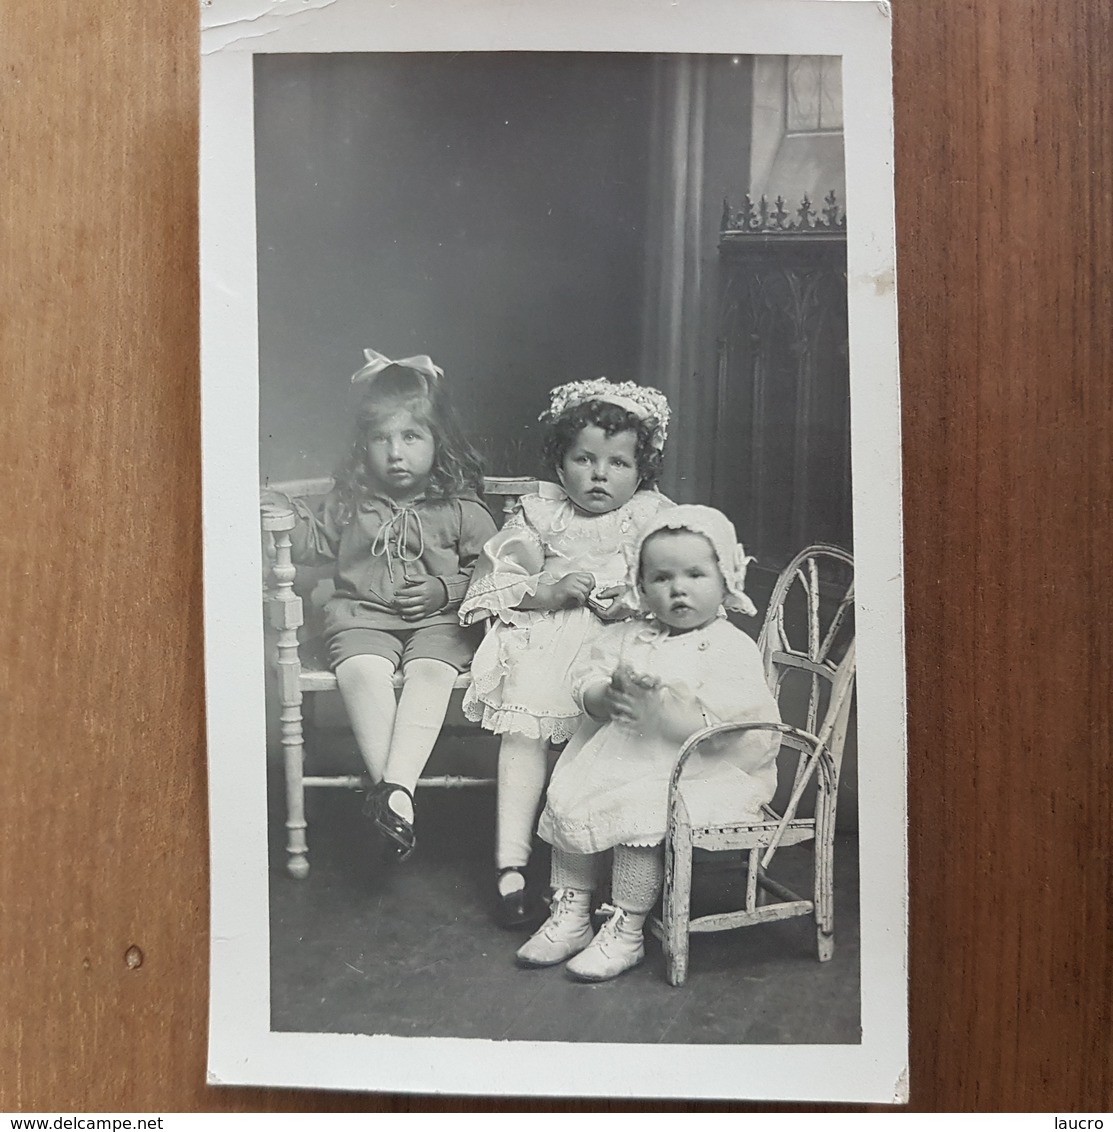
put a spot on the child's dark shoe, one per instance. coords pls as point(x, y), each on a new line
point(515, 905)
point(397, 831)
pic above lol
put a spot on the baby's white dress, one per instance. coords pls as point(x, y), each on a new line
point(522, 671)
point(611, 784)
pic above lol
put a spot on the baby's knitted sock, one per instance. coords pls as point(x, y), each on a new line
point(574, 870)
point(637, 876)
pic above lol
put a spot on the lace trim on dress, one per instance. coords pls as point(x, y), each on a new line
point(484, 683)
point(495, 583)
point(601, 834)
point(518, 721)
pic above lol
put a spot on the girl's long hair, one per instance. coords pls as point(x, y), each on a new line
point(457, 468)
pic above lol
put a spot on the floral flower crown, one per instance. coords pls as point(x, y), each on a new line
point(646, 403)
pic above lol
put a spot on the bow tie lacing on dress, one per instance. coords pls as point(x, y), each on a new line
point(392, 536)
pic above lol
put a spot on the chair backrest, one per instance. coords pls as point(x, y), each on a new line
point(807, 634)
point(818, 756)
point(507, 488)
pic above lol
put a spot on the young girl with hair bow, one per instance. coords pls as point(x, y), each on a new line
point(403, 526)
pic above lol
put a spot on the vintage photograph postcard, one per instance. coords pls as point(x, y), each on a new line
point(553, 562)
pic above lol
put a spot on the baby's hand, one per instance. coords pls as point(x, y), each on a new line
point(571, 591)
point(609, 700)
point(420, 597)
point(618, 704)
point(623, 678)
point(629, 696)
point(642, 681)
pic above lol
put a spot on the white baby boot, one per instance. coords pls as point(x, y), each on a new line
point(618, 946)
point(566, 931)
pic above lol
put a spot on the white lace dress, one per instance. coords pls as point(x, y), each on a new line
point(522, 672)
point(611, 784)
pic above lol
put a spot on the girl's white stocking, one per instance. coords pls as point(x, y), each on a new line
point(426, 688)
point(366, 686)
point(521, 780)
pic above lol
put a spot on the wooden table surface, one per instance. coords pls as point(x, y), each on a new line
point(1004, 138)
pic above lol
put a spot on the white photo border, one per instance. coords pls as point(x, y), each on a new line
point(242, 1047)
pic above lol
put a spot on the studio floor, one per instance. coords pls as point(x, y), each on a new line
point(412, 949)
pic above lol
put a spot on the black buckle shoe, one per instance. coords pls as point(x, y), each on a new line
point(397, 832)
point(517, 909)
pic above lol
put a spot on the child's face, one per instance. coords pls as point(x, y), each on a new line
point(400, 454)
point(600, 472)
point(681, 580)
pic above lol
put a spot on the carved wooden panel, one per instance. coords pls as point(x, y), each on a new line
point(782, 422)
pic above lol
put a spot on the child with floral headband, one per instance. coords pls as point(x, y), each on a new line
point(645, 688)
point(548, 579)
point(403, 527)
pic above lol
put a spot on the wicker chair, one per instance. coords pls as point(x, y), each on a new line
point(808, 624)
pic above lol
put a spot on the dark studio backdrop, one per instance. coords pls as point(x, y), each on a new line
point(531, 219)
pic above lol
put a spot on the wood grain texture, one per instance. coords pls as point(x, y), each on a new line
point(1004, 131)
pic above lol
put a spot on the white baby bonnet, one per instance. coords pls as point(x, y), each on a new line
point(719, 531)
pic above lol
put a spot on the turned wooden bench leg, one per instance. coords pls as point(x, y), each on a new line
point(293, 749)
point(286, 616)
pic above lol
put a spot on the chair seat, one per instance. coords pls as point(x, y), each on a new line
point(295, 596)
point(756, 835)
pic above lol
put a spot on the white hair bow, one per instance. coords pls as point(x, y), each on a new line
point(376, 363)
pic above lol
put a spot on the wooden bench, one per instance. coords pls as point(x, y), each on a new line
point(300, 658)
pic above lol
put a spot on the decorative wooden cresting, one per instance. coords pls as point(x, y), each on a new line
point(782, 421)
point(760, 219)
